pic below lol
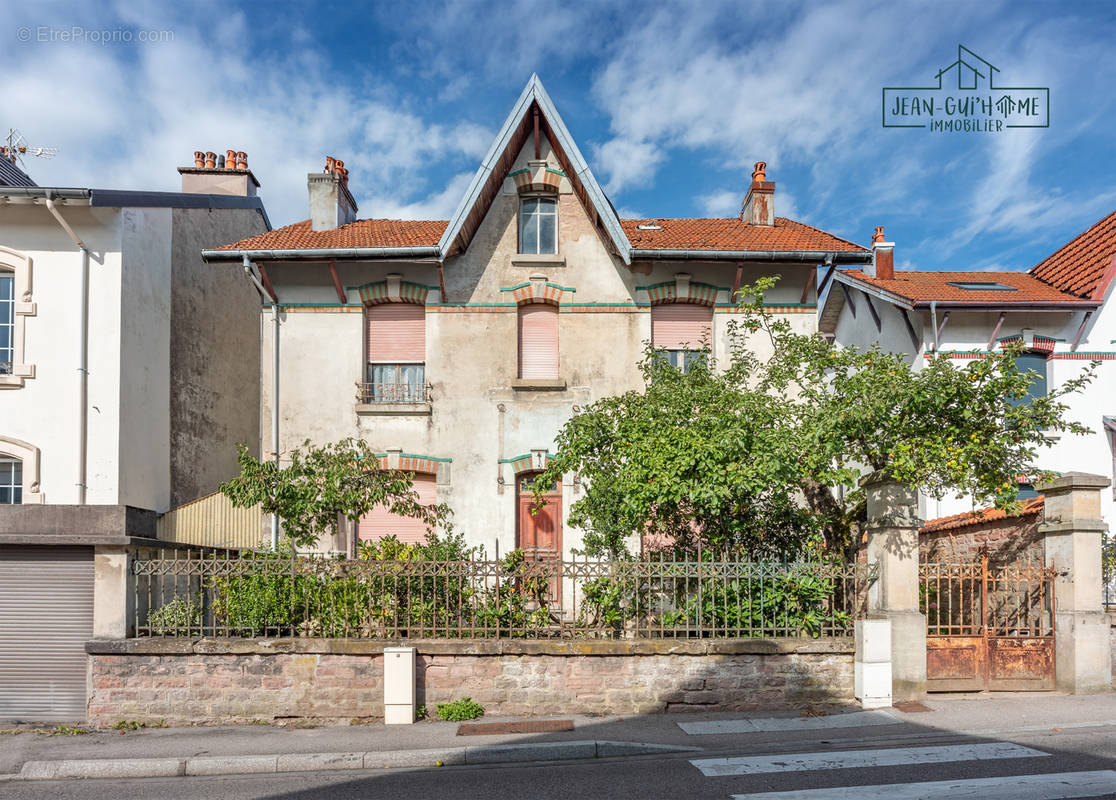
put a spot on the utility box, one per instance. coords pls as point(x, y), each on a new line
point(399, 685)
point(872, 664)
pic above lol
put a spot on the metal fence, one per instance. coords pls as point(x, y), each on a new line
point(976, 598)
point(393, 393)
point(258, 594)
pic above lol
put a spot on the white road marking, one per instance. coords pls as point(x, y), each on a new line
point(854, 759)
point(1057, 786)
point(853, 720)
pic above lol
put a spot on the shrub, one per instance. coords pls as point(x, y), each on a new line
point(460, 710)
point(180, 617)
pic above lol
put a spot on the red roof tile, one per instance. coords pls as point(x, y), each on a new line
point(675, 234)
point(362, 233)
point(731, 234)
point(980, 516)
point(1080, 265)
point(922, 286)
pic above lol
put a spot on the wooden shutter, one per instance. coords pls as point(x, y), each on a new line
point(678, 325)
point(396, 333)
point(538, 341)
point(380, 522)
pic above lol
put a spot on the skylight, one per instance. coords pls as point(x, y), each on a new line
point(649, 226)
point(981, 286)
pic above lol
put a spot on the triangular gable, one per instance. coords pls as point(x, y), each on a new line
point(502, 154)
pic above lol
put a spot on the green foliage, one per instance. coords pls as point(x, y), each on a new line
point(420, 712)
point(65, 730)
point(180, 617)
point(742, 459)
point(321, 484)
point(460, 710)
point(125, 725)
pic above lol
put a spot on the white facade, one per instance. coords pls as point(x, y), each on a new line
point(967, 331)
point(143, 259)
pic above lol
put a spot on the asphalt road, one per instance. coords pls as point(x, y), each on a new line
point(883, 761)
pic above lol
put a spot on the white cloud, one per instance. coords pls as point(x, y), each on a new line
point(125, 115)
point(628, 163)
point(722, 203)
point(439, 205)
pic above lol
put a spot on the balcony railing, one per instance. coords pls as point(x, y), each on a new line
point(5, 367)
point(393, 393)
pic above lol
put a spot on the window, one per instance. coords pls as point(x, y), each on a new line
point(1036, 363)
point(538, 341)
point(980, 286)
point(538, 225)
point(11, 480)
point(381, 522)
point(396, 354)
point(681, 329)
point(7, 322)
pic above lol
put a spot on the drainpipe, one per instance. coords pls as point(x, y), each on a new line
point(274, 383)
point(934, 322)
point(83, 355)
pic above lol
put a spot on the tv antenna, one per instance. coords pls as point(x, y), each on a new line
point(15, 148)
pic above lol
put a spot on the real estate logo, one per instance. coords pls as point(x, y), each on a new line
point(976, 105)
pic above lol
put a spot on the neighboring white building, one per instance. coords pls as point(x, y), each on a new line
point(459, 348)
point(128, 371)
point(1061, 309)
point(128, 366)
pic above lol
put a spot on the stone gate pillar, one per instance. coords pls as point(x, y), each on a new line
point(1073, 533)
point(893, 526)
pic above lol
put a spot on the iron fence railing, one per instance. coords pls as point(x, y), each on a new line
point(531, 595)
point(393, 392)
point(980, 599)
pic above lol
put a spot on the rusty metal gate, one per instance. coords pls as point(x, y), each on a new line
point(988, 627)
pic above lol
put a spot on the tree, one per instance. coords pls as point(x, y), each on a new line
point(746, 458)
point(322, 484)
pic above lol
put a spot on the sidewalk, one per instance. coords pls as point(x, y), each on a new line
point(265, 748)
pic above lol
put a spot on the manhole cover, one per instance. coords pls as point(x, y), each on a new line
point(524, 726)
point(911, 706)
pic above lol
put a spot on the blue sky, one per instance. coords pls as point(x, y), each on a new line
point(670, 102)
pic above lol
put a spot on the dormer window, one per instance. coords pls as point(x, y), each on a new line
point(538, 225)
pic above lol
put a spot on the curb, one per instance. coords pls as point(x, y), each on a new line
point(315, 762)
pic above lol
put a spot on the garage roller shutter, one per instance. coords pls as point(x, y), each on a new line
point(46, 617)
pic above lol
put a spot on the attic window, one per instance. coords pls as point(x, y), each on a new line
point(649, 226)
point(981, 286)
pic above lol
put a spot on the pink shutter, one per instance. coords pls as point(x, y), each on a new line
point(675, 325)
point(538, 341)
point(380, 522)
point(396, 333)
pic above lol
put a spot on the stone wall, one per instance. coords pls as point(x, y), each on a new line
point(337, 682)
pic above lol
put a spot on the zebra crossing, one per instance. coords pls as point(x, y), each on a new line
point(836, 764)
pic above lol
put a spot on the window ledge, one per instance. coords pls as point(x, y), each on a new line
point(392, 409)
point(538, 260)
point(539, 384)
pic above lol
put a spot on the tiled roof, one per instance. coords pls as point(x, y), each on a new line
point(922, 286)
point(731, 234)
point(980, 516)
point(676, 234)
point(362, 233)
point(1079, 265)
point(11, 175)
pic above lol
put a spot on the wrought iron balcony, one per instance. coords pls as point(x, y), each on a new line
point(370, 393)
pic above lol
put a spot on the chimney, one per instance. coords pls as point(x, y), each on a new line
point(759, 205)
point(213, 174)
point(331, 203)
point(883, 256)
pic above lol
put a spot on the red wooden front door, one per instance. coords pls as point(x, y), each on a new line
point(539, 534)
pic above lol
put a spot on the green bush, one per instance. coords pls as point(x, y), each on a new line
point(180, 617)
point(460, 710)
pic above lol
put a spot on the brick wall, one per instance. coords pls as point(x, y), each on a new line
point(1014, 540)
point(204, 682)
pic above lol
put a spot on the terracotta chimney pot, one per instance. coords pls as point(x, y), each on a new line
point(241, 160)
point(210, 160)
point(199, 159)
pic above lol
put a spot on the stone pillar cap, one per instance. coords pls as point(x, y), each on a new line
point(1073, 480)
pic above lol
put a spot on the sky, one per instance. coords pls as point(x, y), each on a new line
point(670, 102)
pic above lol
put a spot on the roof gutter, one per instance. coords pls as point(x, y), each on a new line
point(323, 253)
point(38, 194)
point(1030, 305)
point(807, 256)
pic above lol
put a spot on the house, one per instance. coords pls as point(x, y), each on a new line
point(458, 348)
point(128, 369)
point(1060, 309)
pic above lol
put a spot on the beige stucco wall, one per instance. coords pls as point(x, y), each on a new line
point(477, 417)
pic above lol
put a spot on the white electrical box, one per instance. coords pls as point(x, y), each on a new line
point(399, 685)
